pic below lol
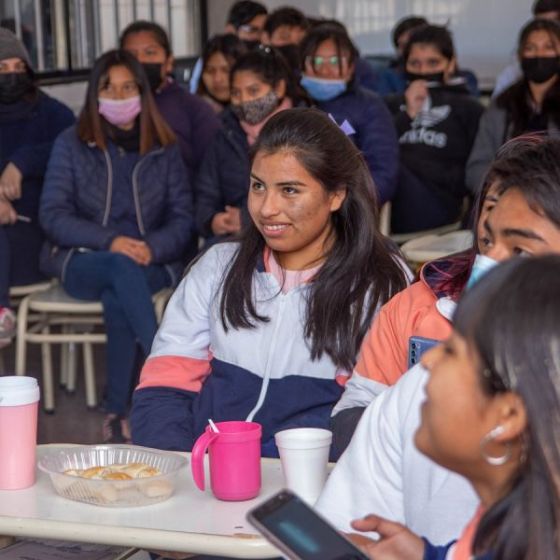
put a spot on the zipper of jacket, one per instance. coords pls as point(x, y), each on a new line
point(109, 198)
point(268, 366)
point(135, 194)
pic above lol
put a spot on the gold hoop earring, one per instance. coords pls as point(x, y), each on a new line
point(489, 438)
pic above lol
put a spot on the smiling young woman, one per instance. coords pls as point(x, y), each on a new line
point(267, 328)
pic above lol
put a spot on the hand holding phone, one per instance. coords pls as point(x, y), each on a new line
point(299, 531)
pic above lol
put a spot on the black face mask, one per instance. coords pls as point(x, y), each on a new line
point(153, 73)
point(14, 85)
point(540, 69)
point(436, 77)
point(251, 45)
point(291, 54)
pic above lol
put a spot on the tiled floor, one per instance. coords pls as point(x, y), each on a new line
point(72, 421)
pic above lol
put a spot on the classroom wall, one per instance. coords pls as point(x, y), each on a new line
point(485, 30)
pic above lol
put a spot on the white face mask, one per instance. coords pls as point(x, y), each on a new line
point(480, 267)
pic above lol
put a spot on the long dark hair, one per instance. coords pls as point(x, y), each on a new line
point(360, 272)
point(516, 100)
point(230, 45)
point(508, 169)
point(510, 318)
point(153, 129)
point(271, 67)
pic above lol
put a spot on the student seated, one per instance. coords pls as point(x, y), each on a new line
point(328, 65)
point(30, 120)
point(261, 86)
point(436, 121)
point(542, 9)
point(259, 328)
point(423, 310)
point(394, 79)
point(382, 472)
point(191, 119)
point(218, 57)
point(284, 29)
point(491, 414)
point(530, 105)
point(117, 210)
point(246, 19)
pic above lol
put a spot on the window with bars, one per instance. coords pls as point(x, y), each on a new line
point(64, 37)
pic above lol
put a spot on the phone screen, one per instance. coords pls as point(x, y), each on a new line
point(301, 530)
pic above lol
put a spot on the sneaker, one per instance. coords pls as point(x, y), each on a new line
point(7, 325)
point(115, 429)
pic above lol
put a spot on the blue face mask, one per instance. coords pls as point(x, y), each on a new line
point(480, 267)
point(323, 90)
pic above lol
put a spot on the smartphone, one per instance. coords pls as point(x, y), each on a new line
point(299, 531)
point(417, 345)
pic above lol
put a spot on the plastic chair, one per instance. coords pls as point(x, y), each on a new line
point(77, 319)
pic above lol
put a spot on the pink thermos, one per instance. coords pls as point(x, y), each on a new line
point(19, 402)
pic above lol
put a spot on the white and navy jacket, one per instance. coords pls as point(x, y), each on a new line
point(197, 370)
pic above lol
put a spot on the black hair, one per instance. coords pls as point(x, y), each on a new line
point(516, 99)
point(406, 24)
point(437, 36)
point(507, 170)
point(292, 17)
point(359, 274)
point(537, 177)
point(543, 6)
point(244, 11)
point(159, 33)
point(230, 45)
point(270, 65)
point(323, 32)
point(510, 319)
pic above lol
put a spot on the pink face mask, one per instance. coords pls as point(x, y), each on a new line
point(120, 111)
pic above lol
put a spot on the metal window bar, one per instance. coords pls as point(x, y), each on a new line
point(17, 19)
point(39, 35)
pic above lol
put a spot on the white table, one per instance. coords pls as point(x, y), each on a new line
point(190, 521)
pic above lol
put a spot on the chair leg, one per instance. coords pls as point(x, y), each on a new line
point(48, 387)
point(89, 372)
point(21, 338)
point(71, 365)
point(64, 356)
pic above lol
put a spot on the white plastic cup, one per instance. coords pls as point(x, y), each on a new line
point(19, 403)
point(304, 454)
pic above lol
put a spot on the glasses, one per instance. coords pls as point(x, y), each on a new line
point(318, 61)
point(248, 28)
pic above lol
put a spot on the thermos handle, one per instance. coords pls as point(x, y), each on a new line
point(197, 457)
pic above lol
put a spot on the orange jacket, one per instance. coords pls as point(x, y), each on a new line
point(412, 312)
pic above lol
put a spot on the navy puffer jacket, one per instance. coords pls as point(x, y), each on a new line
point(76, 203)
point(224, 174)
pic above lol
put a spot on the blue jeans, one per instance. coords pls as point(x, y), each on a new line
point(125, 289)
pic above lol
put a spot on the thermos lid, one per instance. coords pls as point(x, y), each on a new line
point(18, 390)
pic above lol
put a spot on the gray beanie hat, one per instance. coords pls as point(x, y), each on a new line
point(12, 47)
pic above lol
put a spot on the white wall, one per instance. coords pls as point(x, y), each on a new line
point(485, 31)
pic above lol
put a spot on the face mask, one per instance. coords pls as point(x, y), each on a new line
point(540, 68)
point(251, 44)
point(480, 267)
point(323, 90)
point(13, 86)
point(121, 111)
point(254, 112)
point(291, 54)
point(435, 77)
point(153, 73)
